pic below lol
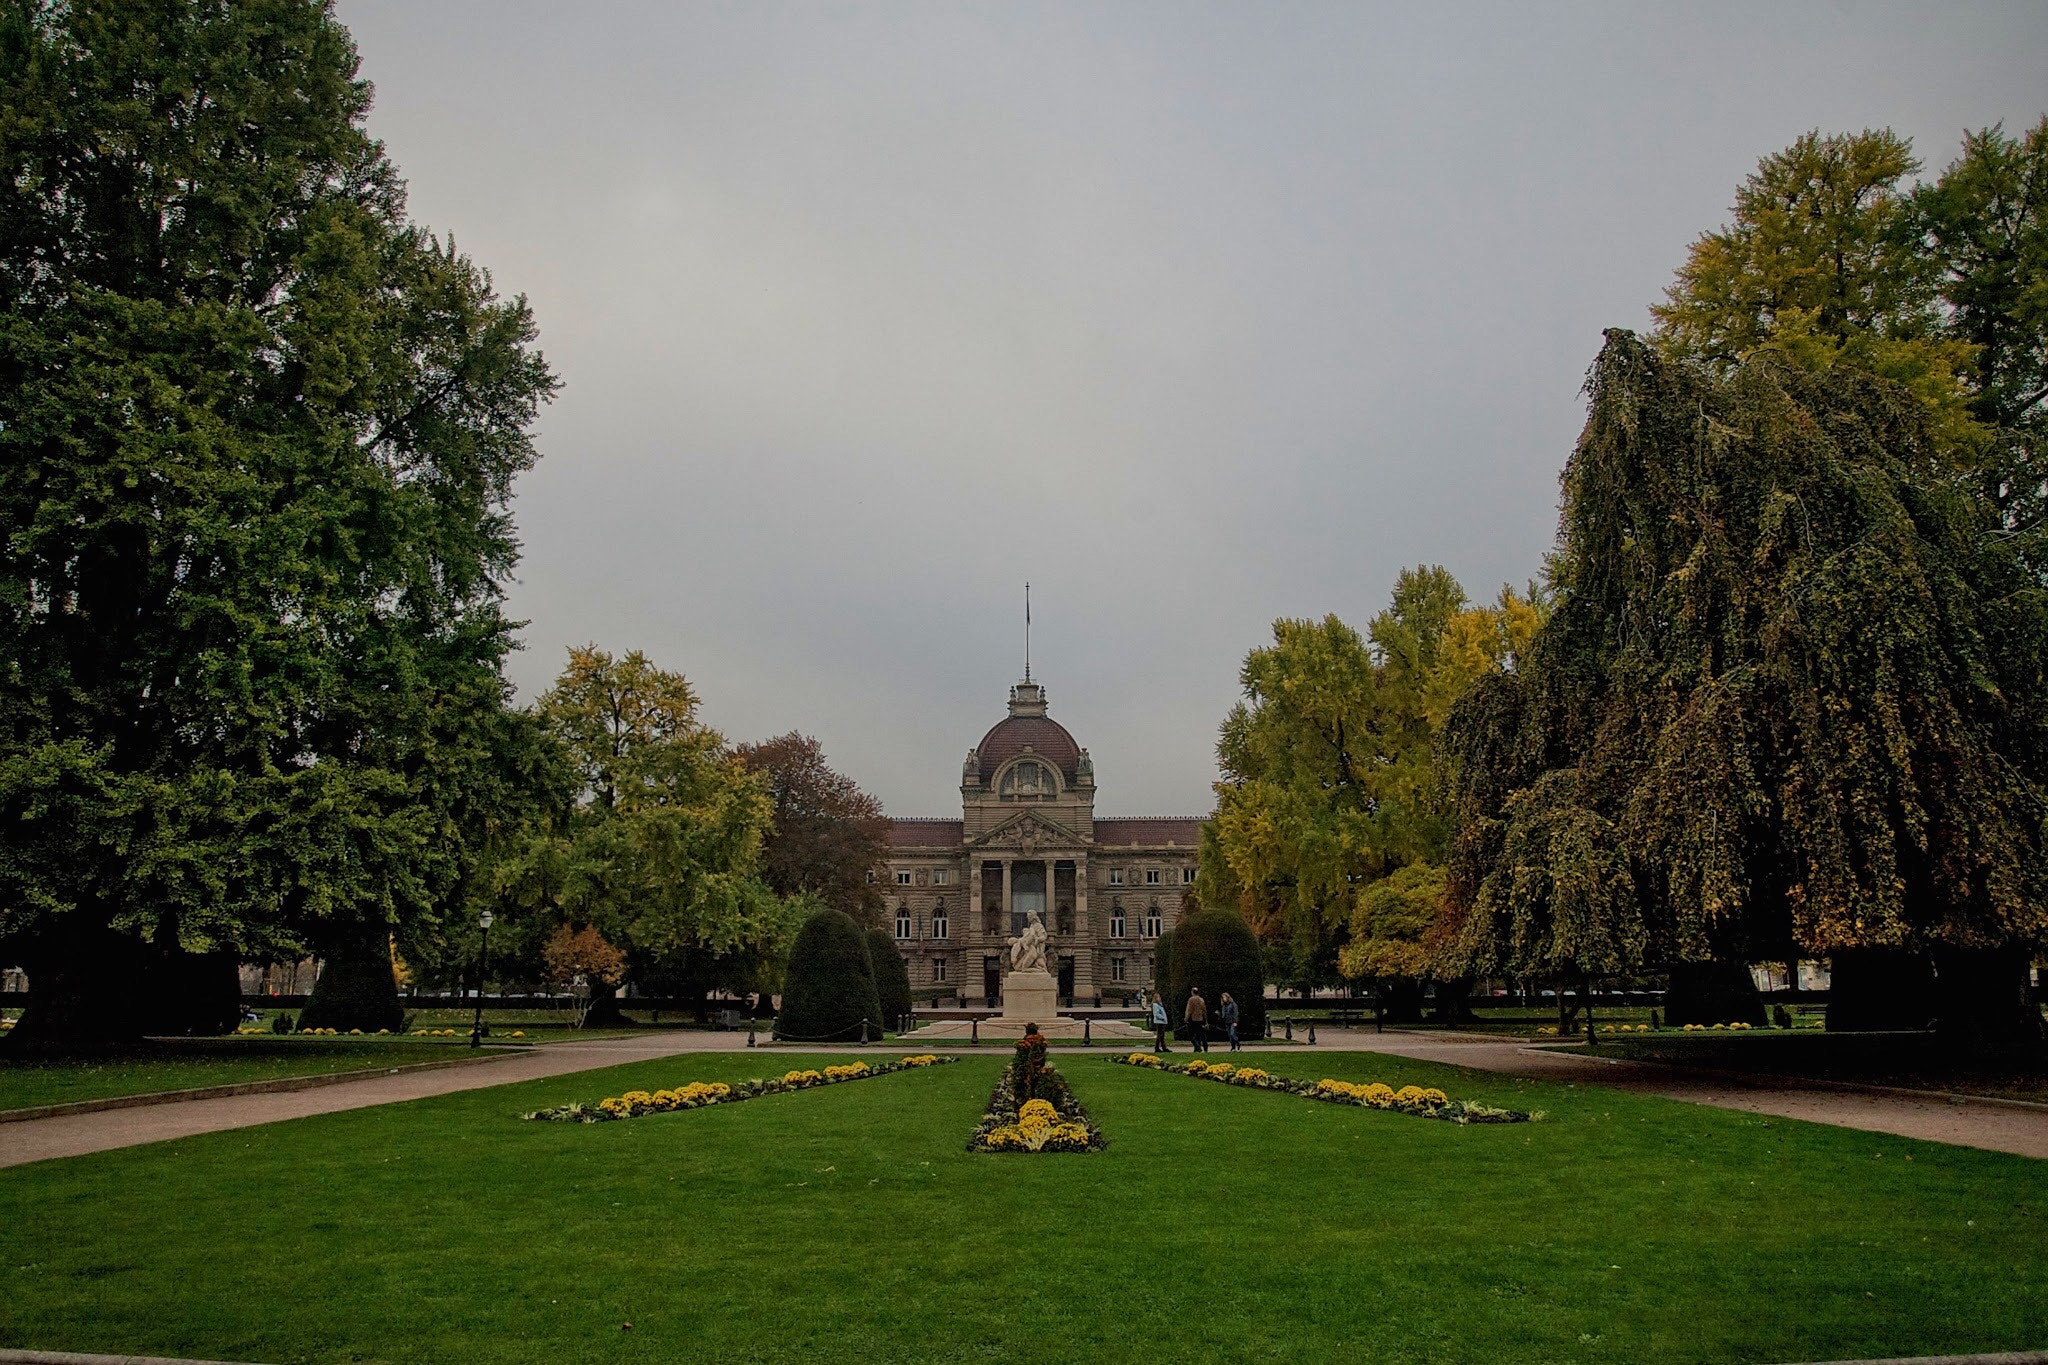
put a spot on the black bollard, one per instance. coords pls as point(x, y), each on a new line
point(863, 1031)
point(1087, 1037)
point(750, 1033)
point(1311, 1033)
point(1290, 1028)
point(974, 1026)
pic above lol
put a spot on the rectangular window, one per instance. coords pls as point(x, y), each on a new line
point(1116, 924)
point(1116, 876)
point(871, 876)
point(1116, 969)
point(903, 924)
point(941, 877)
point(938, 969)
point(1151, 876)
point(1152, 923)
point(903, 877)
point(1187, 876)
point(939, 925)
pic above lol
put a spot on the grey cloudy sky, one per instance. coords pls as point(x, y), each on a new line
point(1195, 315)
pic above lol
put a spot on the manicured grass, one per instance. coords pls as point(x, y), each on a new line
point(849, 1223)
point(142, 1068)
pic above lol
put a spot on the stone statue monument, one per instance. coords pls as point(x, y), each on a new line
point(1027, 950)
point(1029, 992)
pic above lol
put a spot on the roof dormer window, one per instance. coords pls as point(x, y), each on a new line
point(1028, 780)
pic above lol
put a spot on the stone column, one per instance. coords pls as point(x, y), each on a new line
point(972, 928)
point(1009, 890)
point(1087, 941)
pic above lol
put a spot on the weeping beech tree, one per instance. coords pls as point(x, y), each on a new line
point(1789, 703)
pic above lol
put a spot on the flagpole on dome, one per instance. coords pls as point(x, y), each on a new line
point(1027, 631)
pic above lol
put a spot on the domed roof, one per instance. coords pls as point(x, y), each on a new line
point(1044, 736)
point(1028, 727)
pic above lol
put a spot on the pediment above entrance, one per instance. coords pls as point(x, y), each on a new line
point(1028, 831)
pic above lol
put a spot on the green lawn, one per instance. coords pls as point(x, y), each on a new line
point(190, 1063)
point(849, 1223)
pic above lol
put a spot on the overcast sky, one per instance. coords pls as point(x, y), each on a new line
point(1194, 315)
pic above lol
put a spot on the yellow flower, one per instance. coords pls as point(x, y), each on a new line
point(1220, 1071)
point(922, 1059)
point(1198, 1067)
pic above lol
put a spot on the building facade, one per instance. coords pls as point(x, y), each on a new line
point(1028, 840)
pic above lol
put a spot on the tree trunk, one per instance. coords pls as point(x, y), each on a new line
point(86, 988)
point(1454, 1001)
point(193, 994)
point(1982, 999)
point(1877, 988)
point(356, 988)
point(1713, 993)
point(1401, 1000)
point(604, 1008)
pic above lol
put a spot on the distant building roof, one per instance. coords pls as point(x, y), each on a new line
point(1149, 831)
point(926, 833)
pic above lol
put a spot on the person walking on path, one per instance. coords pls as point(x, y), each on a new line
point(1197, 1018)
point(1228, 1012)
point(1160, 1023)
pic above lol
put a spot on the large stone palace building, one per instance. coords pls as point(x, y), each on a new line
point(1028, 839)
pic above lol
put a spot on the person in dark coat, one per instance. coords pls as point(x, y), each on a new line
point(1160, 1024)
point(1227, 1010)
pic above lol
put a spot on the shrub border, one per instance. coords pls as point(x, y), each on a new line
point(1420, 1104)
point(730, 1092)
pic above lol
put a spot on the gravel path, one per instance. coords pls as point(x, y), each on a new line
point(2022, 1131)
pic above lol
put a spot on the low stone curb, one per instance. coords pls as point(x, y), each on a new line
point(1764, 1080)
point(8, 1357)
point(221, 1092)
point(1996, 1358)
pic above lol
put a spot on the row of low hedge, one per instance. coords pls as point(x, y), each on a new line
point(1409, 1099)
point(702, 1094)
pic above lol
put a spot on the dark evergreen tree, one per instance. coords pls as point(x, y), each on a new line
point(892, 977)
point(257, 440)
point(1216, 950)
point(1162, 967)
point(830, 987)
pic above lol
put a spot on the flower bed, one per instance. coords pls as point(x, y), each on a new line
point(1033, 1109)
point(702, 1094)
point(1409, 1099)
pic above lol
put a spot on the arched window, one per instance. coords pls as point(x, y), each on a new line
point(1028, 780)
point(1116, 919)
point(1152, 920)
point(939, 920)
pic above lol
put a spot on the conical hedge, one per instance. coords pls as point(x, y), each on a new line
point(1217, 951)
point(830, 987)
point(892, 976)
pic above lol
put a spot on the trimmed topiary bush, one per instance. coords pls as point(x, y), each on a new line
point(1162, 966)
point(830, 986)
point(1217, 951)
point(892, 976)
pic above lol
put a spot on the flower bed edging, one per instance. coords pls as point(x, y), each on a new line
point(1418, 1101)
point(703, 1094)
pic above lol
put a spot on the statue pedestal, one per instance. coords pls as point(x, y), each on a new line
point(1030, 995)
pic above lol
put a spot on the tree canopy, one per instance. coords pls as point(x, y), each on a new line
point(1329, 775)
point(828, 836)
point(660, 848)
point(1789, 699)
point(258, 434)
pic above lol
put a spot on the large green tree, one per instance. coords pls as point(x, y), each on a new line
point(1789, 701)
point(660, 849)
point(1330, 783)
point(258, 435)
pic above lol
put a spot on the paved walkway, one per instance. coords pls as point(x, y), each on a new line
point(1995, 1127)
point(76, 1134)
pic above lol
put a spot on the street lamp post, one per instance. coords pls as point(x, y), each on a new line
point(483, 956)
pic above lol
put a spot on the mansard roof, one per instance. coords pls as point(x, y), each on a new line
point(1148, 831)
point(926, 833)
